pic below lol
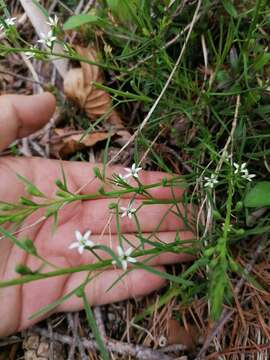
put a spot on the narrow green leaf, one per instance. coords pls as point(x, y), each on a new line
point(229, 7)
point(21, 244)
point(124, 94)
point(259, 195)
point(30, 188)
point(165, 275)
point(82, 19)
point(124, 10)
point(94, 328)
point(261, 61)
point(41, 8)
point(53, 305)
point(218, 285)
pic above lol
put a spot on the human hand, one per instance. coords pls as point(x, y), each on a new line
point(20, 116)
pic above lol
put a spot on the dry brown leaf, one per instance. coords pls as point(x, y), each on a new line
point(65, 142)
point(78, 86)
point(177, 334)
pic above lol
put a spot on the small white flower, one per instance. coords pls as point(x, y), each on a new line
point(82, 241)
point(240, 168)
point(8, 22)
point(128, 211)
point(53, 22)
point(211, 181)
point(248, 176)
point(243, 171)
point(124, 257)
point(47, 39)
point(107, 49)
point(133, 171)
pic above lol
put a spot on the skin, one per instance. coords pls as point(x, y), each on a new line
point(19, 117)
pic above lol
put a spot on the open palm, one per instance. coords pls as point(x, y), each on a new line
point(18, 118)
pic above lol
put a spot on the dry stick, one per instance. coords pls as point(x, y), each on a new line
point(73, 322)
point(79, 7)
point(38, 21)
point(99, 322)
point(174, 348)
point(25, 78)
point(73, 327)
point(230, 138)
point(125, 349)
point(226, 314)
point(90, 4)
point(9, 341)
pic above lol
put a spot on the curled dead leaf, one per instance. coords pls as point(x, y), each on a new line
point(65, 142)
point(177, 334)
point(74, 86)
point(78, 86)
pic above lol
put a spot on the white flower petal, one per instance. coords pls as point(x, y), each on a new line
point(81, 249)
point(128, 251)
point(87, 234)
point(131, 259)
point(78, 235)
point(124, 264)
point(73, 245)
point(127, 176)
point(120, 251)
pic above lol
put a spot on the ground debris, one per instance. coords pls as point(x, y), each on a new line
point(39, 348)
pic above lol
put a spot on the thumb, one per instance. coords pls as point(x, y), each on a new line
point(21, 115)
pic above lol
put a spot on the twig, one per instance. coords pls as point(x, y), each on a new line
point(125, 349)
point(73, 322)
point(230, 138)
point(6, 72)
point(32, 71)
point(79, 7)
point(174, 348)
point(99, 322)
point(38, 21)
point(9, 341)
point(90, 4)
